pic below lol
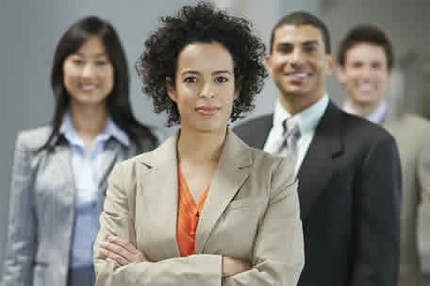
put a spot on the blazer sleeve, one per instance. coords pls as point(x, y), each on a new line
point(424, 176)
point(115, 220)
point(377, 202)
point(279, 247)
point(22, 224)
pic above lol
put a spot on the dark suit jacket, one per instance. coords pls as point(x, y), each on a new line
point(349, 192)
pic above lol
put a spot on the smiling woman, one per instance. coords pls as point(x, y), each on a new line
point(60, 170)
point(203, 208)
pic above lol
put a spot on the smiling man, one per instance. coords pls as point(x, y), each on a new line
point(348, 168)
point(366, 62)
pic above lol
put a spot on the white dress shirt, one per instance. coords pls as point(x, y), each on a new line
point(377, 116)
point(307, 121)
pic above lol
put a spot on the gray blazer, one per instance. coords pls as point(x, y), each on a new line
point(412, 135)
point(41, 210)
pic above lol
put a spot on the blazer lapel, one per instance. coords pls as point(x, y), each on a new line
point(64, 168)
point(108, 158)
point(318, 166)
point(158, 185)
point(231, 173)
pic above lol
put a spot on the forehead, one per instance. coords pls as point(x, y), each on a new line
point(294, 34)
point(205, 56)
point(366, 52)
point(92, 46)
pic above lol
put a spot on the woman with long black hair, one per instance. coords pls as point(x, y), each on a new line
point(60, 170)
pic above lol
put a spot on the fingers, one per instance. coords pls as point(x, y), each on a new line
point(124, 244)
point(120, 252)
point(113, 257)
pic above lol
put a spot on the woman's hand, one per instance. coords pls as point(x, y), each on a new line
point(232, 266)
point(119, 252)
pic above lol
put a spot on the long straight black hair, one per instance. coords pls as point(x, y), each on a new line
point(117, 102)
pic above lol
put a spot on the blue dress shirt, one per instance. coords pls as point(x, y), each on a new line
point(85, 165)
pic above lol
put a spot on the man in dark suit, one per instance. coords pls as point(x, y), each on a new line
point(348, 168)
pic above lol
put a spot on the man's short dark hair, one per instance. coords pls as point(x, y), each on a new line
point(368, 34)
point(301, 18)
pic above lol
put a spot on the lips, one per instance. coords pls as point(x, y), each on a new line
point(207, 109)
point(366, 87)
point(298, 75)
point(89, 86)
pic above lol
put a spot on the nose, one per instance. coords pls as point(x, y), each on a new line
point(207, 91)
point(88, 71)
point(366, 73)
point(297, 57)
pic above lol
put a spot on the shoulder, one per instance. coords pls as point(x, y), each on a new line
point(357, 130)
point(278, 170)
point(413, 120)
point(33, 139)
point(256, 123)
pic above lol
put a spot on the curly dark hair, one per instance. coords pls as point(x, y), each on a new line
point(202, 23)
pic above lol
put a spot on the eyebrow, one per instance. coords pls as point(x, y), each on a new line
point(310, 43)
point(305, 43)
point(214, 73)
point(96, 55)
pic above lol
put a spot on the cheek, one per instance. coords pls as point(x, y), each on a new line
point(110, 78)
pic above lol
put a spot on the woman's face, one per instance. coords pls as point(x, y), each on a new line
point(89, 74)
point(204, 88)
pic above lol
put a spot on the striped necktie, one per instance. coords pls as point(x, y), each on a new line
point(287, 146)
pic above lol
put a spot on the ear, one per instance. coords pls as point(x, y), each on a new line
point(268, 59)
point(330, 63)
point(170, 87)
point(340, 72)
point(236, 94)
point(390, 73)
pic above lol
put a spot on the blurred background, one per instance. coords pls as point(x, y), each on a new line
point(30, 30)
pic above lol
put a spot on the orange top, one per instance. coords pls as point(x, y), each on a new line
point(188, 216)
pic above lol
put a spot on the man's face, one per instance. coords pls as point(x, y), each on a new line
point(298, 62)
point(365, 74)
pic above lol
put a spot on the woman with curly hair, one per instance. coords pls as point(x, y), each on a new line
point(203, 208)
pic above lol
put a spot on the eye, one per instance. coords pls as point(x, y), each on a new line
point(309, 48)
point(221, 79)
point(376, 65)
point(357, 65)
point(78, 62)
point(284, 48)
point(101, 62)
point(190, 79)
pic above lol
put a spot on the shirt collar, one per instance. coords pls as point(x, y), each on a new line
point(377, 116)
point(111, 130)
point(307, 119)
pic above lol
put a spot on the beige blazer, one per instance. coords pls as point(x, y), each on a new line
point(251, 213)
point(412, 135)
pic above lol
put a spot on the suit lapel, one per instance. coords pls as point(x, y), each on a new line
point(318, 166)
point(158, 185)
point(231, 173)
point(108, 159)
point(65, 172)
